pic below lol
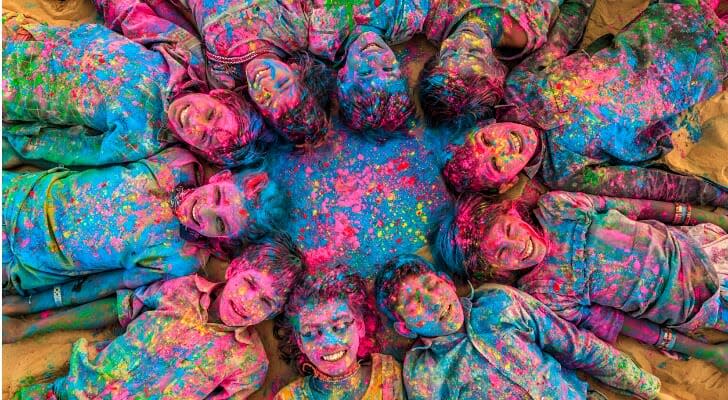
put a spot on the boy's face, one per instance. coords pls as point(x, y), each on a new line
point(273, 86)
point(249, 298)
point(493, 155)
point(512, 244)
point(429, 306)
point(371, 64)
point(204, 122)
point(328, 334)
point(467, 51)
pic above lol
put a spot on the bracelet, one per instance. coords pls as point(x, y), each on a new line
point(30, 296)
point(687, 220)
point(676, 214)
point(681, 213)
point(57, 298)
point(667, 340)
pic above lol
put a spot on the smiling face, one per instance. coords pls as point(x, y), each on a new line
point(273, 86)
point(428, 306)
point(249, 298)
point(512, 244)
point(328, 333)
point(491, 156)
point(468, 52)
point(203, 122)
point(370, 62)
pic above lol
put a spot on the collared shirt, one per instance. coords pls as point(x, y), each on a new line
point(169, 351)
point(514, 347)
point(385, 383)
point(87, 96)
point(604, 108)
point(59, 225)
point(602, 263)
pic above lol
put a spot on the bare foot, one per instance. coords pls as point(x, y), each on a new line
point(14, 329)
point(15, 305)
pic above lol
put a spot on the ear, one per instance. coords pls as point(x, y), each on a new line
point(508, 185)
point(254, 183)
point(222, 176)
point(297, 337)
point(402, 329)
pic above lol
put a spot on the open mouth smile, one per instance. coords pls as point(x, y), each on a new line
point(334, 356)
point(516, 142)
point(528, 249)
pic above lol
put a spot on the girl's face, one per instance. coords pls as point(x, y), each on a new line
point(467, 51)
point(203, 122)
point(249, 298)
point(217, 209)
point(273, 86)
point(429, 305)
point(371, 62)
point(512, 244)
point(493, 155)
point(328, 334)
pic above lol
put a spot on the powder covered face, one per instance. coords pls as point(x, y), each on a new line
point(371, 63)
point(468, 52)
point(491, 156)
point(249, 298)
point(428, 306)
point(328, 333)
point(512, 244)
point(203, 122)
point(273, 86)
point(217, 209)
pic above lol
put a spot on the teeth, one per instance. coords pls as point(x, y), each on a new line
point(335, 356)
point(529, 248)
point(183, 115)
point(518, 142)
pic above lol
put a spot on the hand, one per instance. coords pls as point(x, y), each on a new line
point(719, 358)
point(15, 305)
point(14, 329)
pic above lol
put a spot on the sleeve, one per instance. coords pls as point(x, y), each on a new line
point(579, 349)
point(131, 303)
point(556, 206)
point(646, 183)
point(396, 21)
point(248, 377)
point(181, 49)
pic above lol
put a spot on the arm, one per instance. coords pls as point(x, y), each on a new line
point(97, 314)
point(579, 349)
point(646, 183)
point(81, 291)
point(649, 333)
point(249, 376)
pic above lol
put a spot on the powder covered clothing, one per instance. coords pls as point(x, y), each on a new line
point(385, 383)
point(615, 106)
point(514, 347)
point(59, 225)
point(235, 32)
point(87, 96)
point(397, 21)
point(602, 264)
point(170, 350)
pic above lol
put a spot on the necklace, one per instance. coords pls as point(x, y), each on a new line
point(334, 379)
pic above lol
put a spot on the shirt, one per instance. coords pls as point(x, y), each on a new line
point(59, 225)
point(601, 263)
point(513, 347)
point(170, 350)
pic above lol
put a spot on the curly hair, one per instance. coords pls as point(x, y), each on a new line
point(457, 241)
point(391, 276)
point(308, 122)
point(378, 110)
point(251, 143)
point(320, 286)
point(457, 101)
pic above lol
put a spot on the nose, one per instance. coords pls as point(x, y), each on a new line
point(330, 338)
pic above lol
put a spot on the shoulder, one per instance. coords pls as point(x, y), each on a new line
point(294, 390)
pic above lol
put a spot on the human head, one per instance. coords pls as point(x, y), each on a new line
point(418, 300)
point(294, 97)
point(259, 280)
point(221, 126)
point(328, 323)
point(491, 157)
point(467, 241)
point(231, 209)
point(464, 81)
point(373, 94)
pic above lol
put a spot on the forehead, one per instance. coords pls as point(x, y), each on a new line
point(323, 312)
point(415, 283)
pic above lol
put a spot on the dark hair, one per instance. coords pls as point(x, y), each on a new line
point(458, 101)
point(319, 286)
point(457, 241)
point(275, 255)
point(390, 278)
point(377, 110)
point(308, 122)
